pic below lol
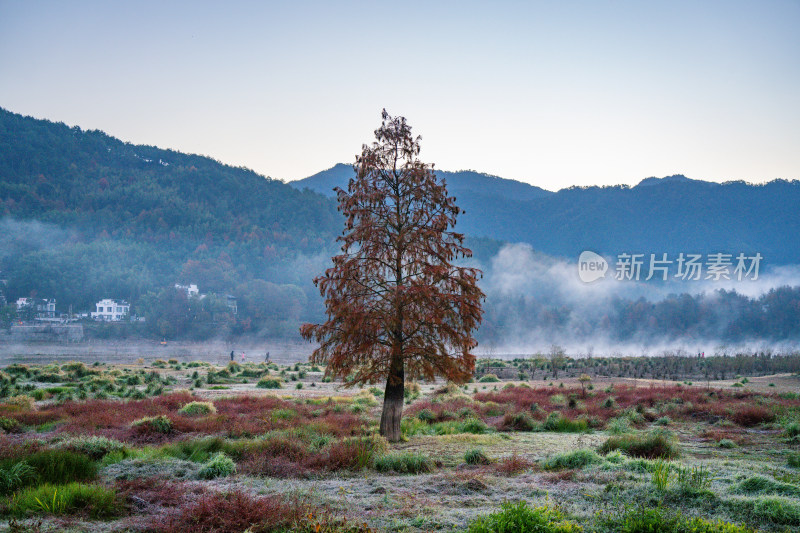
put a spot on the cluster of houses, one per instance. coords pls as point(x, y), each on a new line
point(106, 310)
point(44, 310)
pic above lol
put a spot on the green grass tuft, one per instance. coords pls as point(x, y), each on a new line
point(572, 460)
point(404, 463)
point(65, 499)
point(520, 518)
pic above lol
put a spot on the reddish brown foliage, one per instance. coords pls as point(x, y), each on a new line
point(235, 512)
point(272, 466)
point(556, 477)
point(236, 417)
point(751, 415)
point(717, 435)
point(396, 304)
point(15, 447)
point(690, 403)
point(154, 492)
point(513, 464)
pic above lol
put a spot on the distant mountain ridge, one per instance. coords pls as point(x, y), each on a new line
point(458, 183)
point(670, 215)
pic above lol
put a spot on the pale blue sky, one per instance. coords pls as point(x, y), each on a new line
point(552, 93)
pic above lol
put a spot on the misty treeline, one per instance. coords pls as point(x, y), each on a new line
point(675, 365)
point(724, 316)
point(534, 300)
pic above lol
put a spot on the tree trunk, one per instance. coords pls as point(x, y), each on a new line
point(393, 399)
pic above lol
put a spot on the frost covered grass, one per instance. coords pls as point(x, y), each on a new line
point(476, 459)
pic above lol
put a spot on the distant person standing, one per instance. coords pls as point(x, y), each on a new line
point(242, 357)
point(231, 355)
point(266, 358)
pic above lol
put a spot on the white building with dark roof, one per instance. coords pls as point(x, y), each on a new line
point(109, 310)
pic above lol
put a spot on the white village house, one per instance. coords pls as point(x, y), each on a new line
point(40, 307)
point(110, 310)
point(191, 290)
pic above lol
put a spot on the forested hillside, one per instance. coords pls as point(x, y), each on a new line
point(86, 216)
point(668, 215)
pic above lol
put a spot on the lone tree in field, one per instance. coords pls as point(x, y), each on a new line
point(397, 307)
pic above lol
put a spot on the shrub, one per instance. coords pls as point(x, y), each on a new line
point(775, 510)
point(659, 520)
point(14, 476)
point(61, 466)
point(198, 408)
point(404, 463)
point(520, 518)
point(355, 453)
point(793, 459)
point(618, 426)
point(269, 383)
point(521, 421)
point(94, 446)
point(763, 485)
point(663, 421)
point(752, 415)
point(39, 394)
point(426, 415)
point(475, 426)
point(572, 460)
point(489, 378)
point(197, 450)
point(726, 443)
point(660, 473)
point(558, 399)
point(476, 456)
point(555, 422)
point(219, 465)
point(513, 464)
point(792, 430)
point(21, 401)
point(654, 445)
point(155, 424)
point(254, 372)
point(9, 425)
point(695, 478)
point(97, 501)
point(414, 426)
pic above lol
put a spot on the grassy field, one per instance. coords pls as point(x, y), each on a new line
point(169, 446)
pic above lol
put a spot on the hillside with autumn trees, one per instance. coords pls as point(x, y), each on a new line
point(86, 216)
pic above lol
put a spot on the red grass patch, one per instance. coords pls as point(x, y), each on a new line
point(716, 435)
point(751, 415)
point(235, 512)
point(154, 492)
point(16, 447)
point(513, 465)
point(558, 477)
point(683, 403)
point(239, 417)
